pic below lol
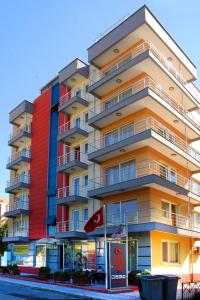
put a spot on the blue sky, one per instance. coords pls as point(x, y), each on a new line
point(39, 37)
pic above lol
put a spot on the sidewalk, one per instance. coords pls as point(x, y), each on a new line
point(73, 291)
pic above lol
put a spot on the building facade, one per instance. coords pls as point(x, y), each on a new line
point(120, 131)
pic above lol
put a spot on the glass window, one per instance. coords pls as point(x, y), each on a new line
point(111, 102)
point(127, 170)
point(129, 211)
point(170, 252)
point(86, 117)
point(51, 230)
point(85, 214)
point(86, 180)
point(165, 206)
point(86, 148)
point(111, 138)
point(126, 131)
point(113, 213)
point(164, 252)
point(112, 175)
point(125, 94)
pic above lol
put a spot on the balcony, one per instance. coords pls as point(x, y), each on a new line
point(17, 208)
point(145, 174)
point(22, 112)
point(152, 219)
point(146, 132)
point(72, 131)
point(71, 194)
point(22, 157)
point(20, 136)
point(72, 161)
point(72, 102)
point(20, 235)
point(144, 93)
point(18, 183)
point(71, 229)
point(144, 58)
point(74, 72)
point(142, 24)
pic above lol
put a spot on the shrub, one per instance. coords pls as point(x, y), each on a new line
point(44, 270)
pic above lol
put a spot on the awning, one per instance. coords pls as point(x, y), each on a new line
point(51, 220)
point(197, 244)
point(50, 241)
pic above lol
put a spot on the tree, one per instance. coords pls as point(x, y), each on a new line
point(3, 230)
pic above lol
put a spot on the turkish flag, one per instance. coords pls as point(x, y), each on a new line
point(95, 221)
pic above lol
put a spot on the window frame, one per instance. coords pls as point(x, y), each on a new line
point(169, 242)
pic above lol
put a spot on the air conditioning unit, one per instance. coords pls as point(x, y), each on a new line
point(196, 250)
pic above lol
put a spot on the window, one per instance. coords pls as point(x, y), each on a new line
point(170, 252)
point(111, 138)
point(86, 180)
point(169, 212)
point(86, 117)
point(86, 148)
point(85, 214)
point(121, 212)
point(120, 173)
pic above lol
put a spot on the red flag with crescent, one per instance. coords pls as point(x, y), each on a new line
point(95, 221)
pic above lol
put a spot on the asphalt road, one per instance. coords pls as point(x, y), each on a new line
point(19, 292)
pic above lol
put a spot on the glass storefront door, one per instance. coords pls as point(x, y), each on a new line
point(132, 255)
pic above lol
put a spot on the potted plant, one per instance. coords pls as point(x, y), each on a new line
point(62, 276)
point(44, 273)
point(81, 277)
point(13, 269)
point(4, 270)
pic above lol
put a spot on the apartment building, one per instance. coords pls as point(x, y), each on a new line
point(120, 131)
point(3, 208)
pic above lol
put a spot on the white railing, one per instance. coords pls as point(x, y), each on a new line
point(71, 156)
point(20, 203)
point(69, 95)
point(23, 232)
point(19, 179)
point(71, 225)
point(20, 154)
point(140, 170)
point(141, 126)
point(136, 87)
point(147, 215)
point(25, 128)
point(73, 124)
point(72, 190)
point(134, 52)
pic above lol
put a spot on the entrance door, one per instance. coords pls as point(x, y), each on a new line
point(76, 186)
point(78, 122)
point(61, 257)
point(75, 218)
point(77, 153)
point(132, 255)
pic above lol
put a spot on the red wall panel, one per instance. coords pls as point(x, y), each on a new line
point(39, 166)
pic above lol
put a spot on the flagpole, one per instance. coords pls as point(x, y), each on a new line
point(105, 249)
point(126, 226)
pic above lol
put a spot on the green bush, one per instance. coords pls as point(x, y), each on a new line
point(12, 267)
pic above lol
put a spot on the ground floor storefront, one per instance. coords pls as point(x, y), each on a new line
point(159, 252)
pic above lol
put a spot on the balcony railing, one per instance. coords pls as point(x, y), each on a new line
point(144, 169)
point(19, 179)
point(69, 95)
point(141, 126)
point(20, 203)
point(136, 51)
point(73, 124)
point(153, 215)
point(73, 190)
point(22, 232)
point(18, 132)
point(71, 225)
point(140, 170)
point(72, 155)
point(20, 154)
point(138, 86)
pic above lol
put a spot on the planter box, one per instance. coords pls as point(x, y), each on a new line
point(82, 281)
point(62, 279)
point(14, 272)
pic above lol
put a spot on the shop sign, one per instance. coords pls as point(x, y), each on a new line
point(117, 265)
point(21, 249)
